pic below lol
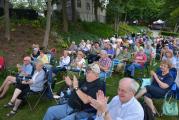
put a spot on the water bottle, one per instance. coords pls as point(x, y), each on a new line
point(61, 95)
point(61, 100)
point(23, 78)
point(68, 92)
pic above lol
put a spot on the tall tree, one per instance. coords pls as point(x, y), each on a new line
point(97, 4)
point(73, 5)
point(47, 31)
point(7, 20)
point(170, 13)
point(65, 18)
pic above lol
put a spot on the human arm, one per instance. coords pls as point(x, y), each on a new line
point(83, 96)
point(39, 77)
point(160, 83)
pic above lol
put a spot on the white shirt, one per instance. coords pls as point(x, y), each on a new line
point(81, 62)
point(64, 61)
point(171, 60)
point(132, 110)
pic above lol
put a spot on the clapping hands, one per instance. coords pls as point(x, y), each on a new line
point(69, 82)
point(100, 104)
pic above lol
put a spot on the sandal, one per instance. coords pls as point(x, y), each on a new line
point(9, 105)
point(11, 113)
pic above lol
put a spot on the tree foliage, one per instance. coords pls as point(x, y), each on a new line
point(170, 12)
point(142, 10)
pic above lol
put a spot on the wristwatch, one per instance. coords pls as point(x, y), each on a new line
point(76, 88)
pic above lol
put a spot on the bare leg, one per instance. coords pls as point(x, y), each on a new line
point(141, 93)
point(15, 95)
point(8, 78)
point(6, 87)
point(16, 105)
point(149, 102)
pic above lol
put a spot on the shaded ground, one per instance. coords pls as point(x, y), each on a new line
point(22, 38)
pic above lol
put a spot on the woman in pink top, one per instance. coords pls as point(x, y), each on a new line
point(139, 60)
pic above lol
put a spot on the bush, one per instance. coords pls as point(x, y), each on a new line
point(165, 33)
point(125, 29)
point(99, 29)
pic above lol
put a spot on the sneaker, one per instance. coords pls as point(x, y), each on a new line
point(8, 105)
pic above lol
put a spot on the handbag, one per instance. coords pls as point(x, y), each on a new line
point(170, 106)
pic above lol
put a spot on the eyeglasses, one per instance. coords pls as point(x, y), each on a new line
point(88, 70)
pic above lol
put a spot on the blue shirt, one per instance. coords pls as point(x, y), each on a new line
point(27, 69)
point(168, 79)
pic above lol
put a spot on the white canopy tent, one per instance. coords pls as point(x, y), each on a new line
point(159, 22)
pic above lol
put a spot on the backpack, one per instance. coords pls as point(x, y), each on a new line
point(148, 115)
point(2, 63)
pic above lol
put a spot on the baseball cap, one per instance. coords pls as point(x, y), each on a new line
point(94, 67)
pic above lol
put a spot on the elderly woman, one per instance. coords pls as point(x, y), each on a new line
point(169, 56)
point(79, 62)
point(35, 84)
point(140, 59)
point(162, 81)
point(24, 70)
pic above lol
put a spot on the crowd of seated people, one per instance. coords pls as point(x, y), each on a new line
point(134, 50)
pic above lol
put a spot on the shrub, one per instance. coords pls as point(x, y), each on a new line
point(166, 33)
point(99, 29)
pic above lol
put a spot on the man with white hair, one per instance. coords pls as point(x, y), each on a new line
point(124, 106)
point(104, 63)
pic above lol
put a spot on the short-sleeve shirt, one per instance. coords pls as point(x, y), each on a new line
point(27, 69)
point(168, 79)
point(105, 62)
point(141, 57)
point(89, 88)
point(43, 59)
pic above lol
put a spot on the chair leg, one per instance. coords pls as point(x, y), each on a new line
point(37, 102)
point(30, 106)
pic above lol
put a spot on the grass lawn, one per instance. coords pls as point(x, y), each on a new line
point(24, 112)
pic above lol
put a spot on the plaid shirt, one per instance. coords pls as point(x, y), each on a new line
point(106, 62)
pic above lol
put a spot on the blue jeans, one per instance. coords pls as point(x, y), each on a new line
point(60, 112)
point(134, 66)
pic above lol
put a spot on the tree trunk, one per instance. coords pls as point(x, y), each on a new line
point(176, 27)
point(115, 24)
point(47, 31)
point(96, 10)
point(7, 20)
point(65, 19)
point(125, 19)
point(73, 5)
